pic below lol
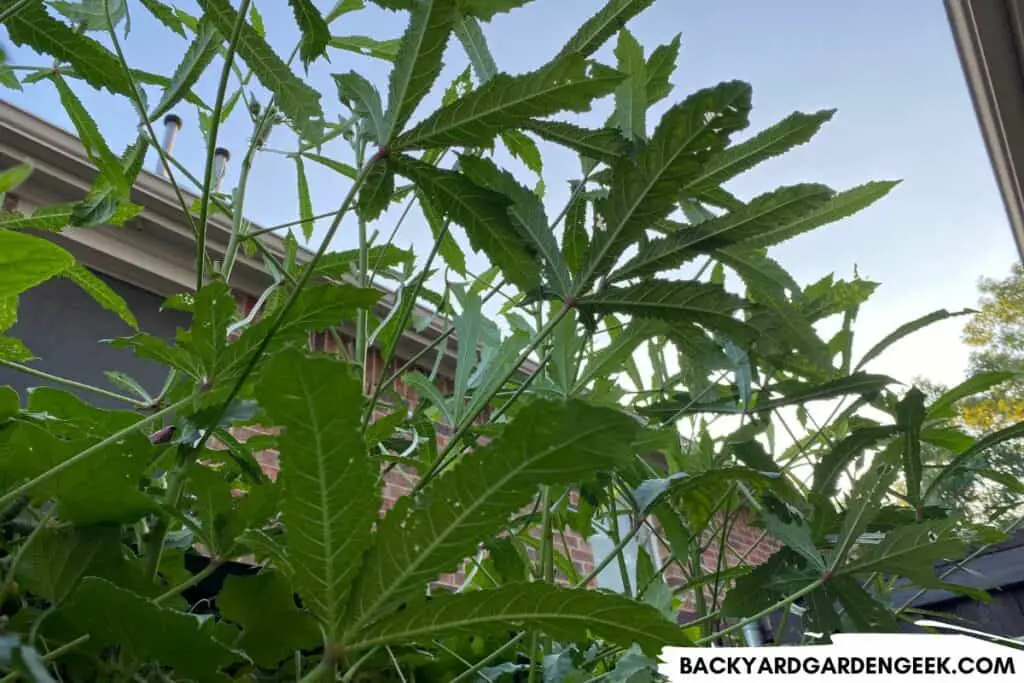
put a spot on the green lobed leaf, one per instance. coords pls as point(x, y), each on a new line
point(550, 443)
point(13, 349)
point(57, 558)
point(31, 26)
point(418, 62)
point(315, 32)
point(910, 414)
point(8, 312)
point(201, 51)
point(14, 176)
point(299, 102)
point(95, 145)
point(604, 144)
point(342, 7)
point(865, 499)
point(792, 131)
point(764, 214)
point(449, 250)
point(165, 15)
point(527, 212)
point(659, 69)
point(575, 238)
point(795, 393)
point(468, 31)
point(948, 438)
point(867, 614)
point(758, 272)
point(339, 264)
point(603, 25)
point(912, 551)
point(91, 15)
point(840, 206)
point(631, 95)
point(330, 500)
point(339, 167)
point(710, 484)
point(273, 627)
point(907, 329)
point(609, 359)
point(562, 613)
point(101, 293)
point(376, 192)
point(486, 9)
point(86, 494)
point(523, 147)
point(256, 19)
point(673, 302)
point(386, 50)
point(26, 261)
point(476, 118)
point(831, 465)
point(944, 405)
point(484, 215)
point(113, 616)
point(318, 308)
point(963, 458)
point(8, 78)
point(305, 203)
point(783, 574)
point(646, 190)
point(110, 192)
point(359, 95)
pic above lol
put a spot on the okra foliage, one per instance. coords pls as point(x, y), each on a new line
point(149, 544)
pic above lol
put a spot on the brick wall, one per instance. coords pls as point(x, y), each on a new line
point(745, 544)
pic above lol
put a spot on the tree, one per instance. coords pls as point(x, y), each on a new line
point(996, 332)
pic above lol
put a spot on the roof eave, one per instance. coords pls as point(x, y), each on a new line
point(989, 36)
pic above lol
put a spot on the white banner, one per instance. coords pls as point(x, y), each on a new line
point(860, 657)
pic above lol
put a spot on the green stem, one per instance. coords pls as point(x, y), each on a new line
point(140, 109)
point(13, 568)
point(615, 551)
point(785, 602)
point(263, 231)
point(320, 673)
point(413, 295)
point(49, 656)
point(175, 487)
point(193, 580)
point(237, 221)
point(307, 273)
point(523, 386)
point(613, 531)
point(446, 456)
point(476, 668)
point(218, 106)
point(91, 450)
point(352, 670)
point(24, 369)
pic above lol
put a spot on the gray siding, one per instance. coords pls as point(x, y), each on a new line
point(64, 327)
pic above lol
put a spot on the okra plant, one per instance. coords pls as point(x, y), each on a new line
point(633, 316)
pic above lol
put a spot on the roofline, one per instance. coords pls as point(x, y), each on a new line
point(988, 36)
point(155, 250)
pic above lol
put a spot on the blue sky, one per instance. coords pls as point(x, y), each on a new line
point(890, 68)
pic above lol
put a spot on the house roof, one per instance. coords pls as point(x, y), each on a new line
point(989, 36)
point(155, 250)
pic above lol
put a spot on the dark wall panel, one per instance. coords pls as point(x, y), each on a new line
point(64, 327)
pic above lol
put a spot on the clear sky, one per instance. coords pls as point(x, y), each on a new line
point(890, 68)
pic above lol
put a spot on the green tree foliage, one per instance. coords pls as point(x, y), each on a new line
point(996, 335)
